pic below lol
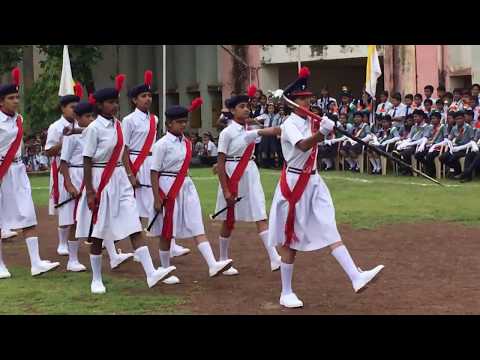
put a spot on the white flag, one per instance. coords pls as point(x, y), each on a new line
point(373, 71)
point(66, 82)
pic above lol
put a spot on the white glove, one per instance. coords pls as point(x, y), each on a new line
point(326, 126)
point(251, 136)
point(421, 146)
point(327, 142)
point(461, 147)
point(474, 146)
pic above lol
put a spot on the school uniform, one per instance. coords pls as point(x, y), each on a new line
point(432, 148)
point(360, 131)
point(383, 108)
point(136, 127)
point(168, 156)
point(207, 148)
point(315, 225)
point(118, 216)
point(417, 133)
point(397, 112)
point(472, 159)
point(323, 102)
point(459, 136)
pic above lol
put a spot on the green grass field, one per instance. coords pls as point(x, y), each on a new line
point(360, 200)
point(363, 201)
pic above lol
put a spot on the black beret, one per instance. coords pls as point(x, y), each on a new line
point(176, 112)
point(67, 99)
point(83, 108)
point(8, 89)
point(459, 113)
point(235, 100)
point(137, 90)
point(106, 94)
point(469, 112)
point(228, 105)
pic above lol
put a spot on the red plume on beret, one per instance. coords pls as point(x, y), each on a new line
point(16, 76)
point(78, 90)
point(119, 80)
point(91, 99)
point(252, 89)
point(196, 103)
point(304, 72)
point(148, 78)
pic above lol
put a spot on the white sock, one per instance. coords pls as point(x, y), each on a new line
point(96, 262)
point(286, 271)
point(63, 235)
point(172, 244)
point(328, 162)
point(32, 246)
point(374, 164)
point(224, 242)
point(345, 260)
point(165, 258)
point(73, 250)
point(207, 253)
point(146, 260)
point(2, 264)
point(271, 250)
point(356, 163)
point(379, 164)
point(111, 249)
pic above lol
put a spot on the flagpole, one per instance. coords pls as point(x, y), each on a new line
point(299, 62)
point(164, 85)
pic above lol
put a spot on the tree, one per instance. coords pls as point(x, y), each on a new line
point(10, 56)
point(42, 100)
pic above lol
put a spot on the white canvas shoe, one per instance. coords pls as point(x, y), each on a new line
point(120, 259)
point(365, 277)
point(275, 265)
point(179, 251)
point(172, 280)
point(231, 272)
point(4, 273)
point(7, 234)
point(220, 267)
point(97, 287)
point(43, 267)
point(159, 274)
point(75, 266)
point(290, 301)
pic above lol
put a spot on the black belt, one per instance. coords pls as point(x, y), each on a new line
point(75, 166)
point(299, 171)
point(168, 173)
point(102, 165)
point(135, 152)
point(236, 158)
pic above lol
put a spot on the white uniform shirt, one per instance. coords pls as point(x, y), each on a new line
point(8, 133)
point(397, 111)
point(212, 149)
point(168, 153)
point(72, 149)
point(100, 140)
point(295, 129)
point(384, 108)
point(55, 132)
point(232, 140)
point(135, 128)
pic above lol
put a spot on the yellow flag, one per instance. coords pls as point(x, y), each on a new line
point(373, 70)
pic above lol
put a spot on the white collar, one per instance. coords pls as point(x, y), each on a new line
point(65, 121)
point(173, 138)
point(237, 125)
point(141, 114)
point(5, 117)
point(105, 122)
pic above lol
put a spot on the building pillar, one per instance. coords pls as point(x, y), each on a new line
point(475, 64)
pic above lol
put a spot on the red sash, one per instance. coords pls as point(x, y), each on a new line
point(109, 169)
point(293, 196)
point(233, 181)
point(55, 191)
point(167, 230)
point(135, 166)
point(12, 151)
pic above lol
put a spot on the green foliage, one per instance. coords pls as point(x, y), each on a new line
point(10, 56)
point(42, 99)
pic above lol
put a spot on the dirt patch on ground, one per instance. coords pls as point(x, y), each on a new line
point(429, 269)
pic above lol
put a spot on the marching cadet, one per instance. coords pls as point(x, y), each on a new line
point(406, 148)
point(302, 216)
point(459, 139)
point(239, 177)
point(53, 148)
point(384, 107)
point(71, 169)
point(16, 205)
point(140, 133)
point(108, 210)
point(431, 147)
point(175, 193)
point(350, 149)
point(387, 135)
